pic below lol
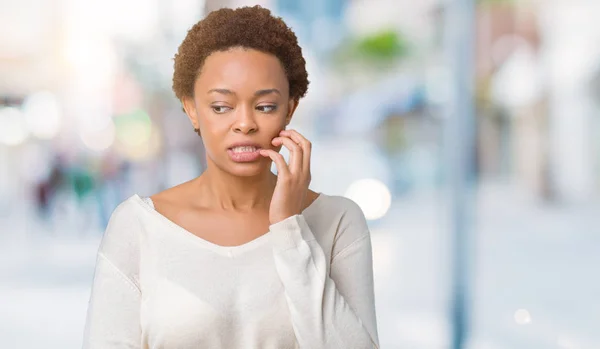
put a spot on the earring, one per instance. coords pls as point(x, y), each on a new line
point(197, 130)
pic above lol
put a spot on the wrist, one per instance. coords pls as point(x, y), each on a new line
point(281, 218)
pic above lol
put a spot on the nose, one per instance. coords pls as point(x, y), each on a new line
point(245, 122)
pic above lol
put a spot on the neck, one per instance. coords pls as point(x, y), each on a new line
point(229, 192)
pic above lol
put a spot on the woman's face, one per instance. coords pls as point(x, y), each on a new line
point(241, 95)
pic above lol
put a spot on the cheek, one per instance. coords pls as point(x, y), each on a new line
point(272, 123)
point(274, 128)
point(282, 117)
point(212, 123)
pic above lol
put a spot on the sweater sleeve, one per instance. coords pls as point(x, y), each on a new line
point(328, 311)
point(113, 315)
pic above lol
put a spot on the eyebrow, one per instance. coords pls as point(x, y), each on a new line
point(223, 91)
point(266, 92)
point(258, 93)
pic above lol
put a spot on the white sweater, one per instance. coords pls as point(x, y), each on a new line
point(306, 283)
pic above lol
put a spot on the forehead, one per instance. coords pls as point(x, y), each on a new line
point(242, 70)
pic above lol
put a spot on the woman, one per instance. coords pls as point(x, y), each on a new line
point(238, 257)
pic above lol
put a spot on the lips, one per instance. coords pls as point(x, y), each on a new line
point(244, 149)
point(244, 152)
point(244, 144)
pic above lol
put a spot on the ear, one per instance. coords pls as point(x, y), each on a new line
point(292, 105)
point(189, 107)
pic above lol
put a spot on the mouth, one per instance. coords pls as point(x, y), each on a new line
point(244, 153)
point(244, 149)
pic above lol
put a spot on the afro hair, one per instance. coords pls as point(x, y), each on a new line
point(248, 27)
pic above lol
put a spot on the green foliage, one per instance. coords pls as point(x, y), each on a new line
point(384, 45)
point(380, 49)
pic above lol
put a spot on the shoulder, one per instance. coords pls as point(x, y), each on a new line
point(342, 217)
point(343, 207)
point(345, 204)
point(126, 207)
point(122, 231)
point(125, 213)
point(120, 244)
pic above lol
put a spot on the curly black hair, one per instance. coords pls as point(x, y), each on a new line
point(248, 27)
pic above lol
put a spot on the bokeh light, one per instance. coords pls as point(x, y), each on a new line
point(13, 129)
point(373, 197)
point(141, 150)
point(522, 317)
point(42, 114)
point(134, 129)
point(99, 139)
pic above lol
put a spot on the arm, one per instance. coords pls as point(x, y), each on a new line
point(113, 315)
point(328, 311)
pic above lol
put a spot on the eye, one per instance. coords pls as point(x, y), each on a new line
point(220, 109)
point(267, 108)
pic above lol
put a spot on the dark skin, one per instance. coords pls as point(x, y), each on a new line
point(241, 95)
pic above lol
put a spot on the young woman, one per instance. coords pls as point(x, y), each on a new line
point(237, 257)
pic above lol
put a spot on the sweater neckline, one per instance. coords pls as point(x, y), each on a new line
point(228, 251)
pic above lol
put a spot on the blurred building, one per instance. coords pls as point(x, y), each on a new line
point(536, 115)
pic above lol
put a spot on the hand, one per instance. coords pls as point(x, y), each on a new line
point(293, 180)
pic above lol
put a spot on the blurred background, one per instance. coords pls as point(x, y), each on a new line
point(88, 118)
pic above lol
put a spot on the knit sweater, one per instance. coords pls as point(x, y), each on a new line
point(306, 283)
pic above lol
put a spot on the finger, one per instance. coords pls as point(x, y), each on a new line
point(296, 153)
point(282, 167)
point(304, 143)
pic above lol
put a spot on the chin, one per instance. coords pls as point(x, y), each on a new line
point(247, 169)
